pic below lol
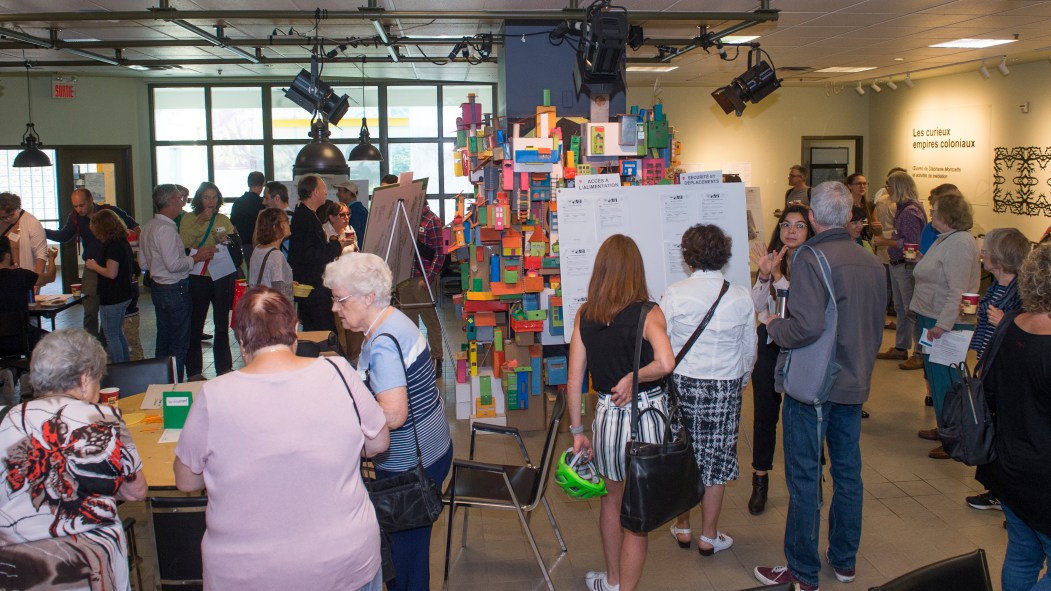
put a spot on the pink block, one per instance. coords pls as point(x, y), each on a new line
point(509, 175)
point(461, 371)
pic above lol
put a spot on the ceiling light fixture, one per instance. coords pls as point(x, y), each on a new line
point(891, 85)
point(30, 156)
point(983, 70)
point(216, 40)
point(319, 156)
point(858, 89)
point(364, 151)
point(651, 68)
point(382, 32)
point(845, 69)
point(92, 56)
point(875, 87)
point(908, 81)
point(393, 51)
point(17, 36)
point(972, 43)
point(1003, 66)
point(757, 82)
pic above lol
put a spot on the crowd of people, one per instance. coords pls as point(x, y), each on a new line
point(824, 253)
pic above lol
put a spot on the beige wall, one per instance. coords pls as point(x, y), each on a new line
point(105, 112)
point(768, 136)
point(972, 104)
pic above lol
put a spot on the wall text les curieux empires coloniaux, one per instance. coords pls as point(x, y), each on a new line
point(938, 137)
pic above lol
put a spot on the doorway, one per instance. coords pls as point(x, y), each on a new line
point(106, 172)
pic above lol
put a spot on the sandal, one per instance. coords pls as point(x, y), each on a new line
point(676, 532)
point(720, 543)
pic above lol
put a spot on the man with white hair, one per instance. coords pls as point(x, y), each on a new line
point(857, 282)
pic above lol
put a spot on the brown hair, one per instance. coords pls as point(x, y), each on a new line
point(107, 226)
point(955, 212)
point(264, 318)
point(268, 226)
point(1006, 249)
point(197, 203)
point(706, 247)
point(617, 280)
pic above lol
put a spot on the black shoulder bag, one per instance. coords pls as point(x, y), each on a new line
point(661, 479)
point(410, 499)
point(967, 429)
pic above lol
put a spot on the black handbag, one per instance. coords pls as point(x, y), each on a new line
point(410, 499)
point(661, 479)
point(967, 429)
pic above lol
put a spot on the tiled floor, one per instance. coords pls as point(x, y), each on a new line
point(914, 512)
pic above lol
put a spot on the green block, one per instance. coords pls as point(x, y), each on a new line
point(485, 388)
point(536, 314)
point(511, 276)
point(657, 134)
point(498, 339)
point(477, 284)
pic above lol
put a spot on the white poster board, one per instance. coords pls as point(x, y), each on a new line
point(386, 229)
point(655, 217)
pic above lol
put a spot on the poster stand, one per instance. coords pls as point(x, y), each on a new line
point(400, 211)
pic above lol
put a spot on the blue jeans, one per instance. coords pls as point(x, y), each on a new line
point(411, 549)
point(806, 428)
point(112, 316)
point(1027, 550)
point(172, 306)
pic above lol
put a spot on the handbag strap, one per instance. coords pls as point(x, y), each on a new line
point(347, 386)
point(408, 396)
point(700, 328)
point(986, 361)
point(211, 223)
point(262, 267)
point(13, 224)
point(635, 371)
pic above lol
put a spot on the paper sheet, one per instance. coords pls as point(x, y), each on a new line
point(222, 264)
point(951, 347)
point(152, 399)
point(170, 436)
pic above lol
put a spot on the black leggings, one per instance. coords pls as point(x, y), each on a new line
point(766, 403)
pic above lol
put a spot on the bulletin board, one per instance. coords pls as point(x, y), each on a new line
point(383, 223)
point(655, 217)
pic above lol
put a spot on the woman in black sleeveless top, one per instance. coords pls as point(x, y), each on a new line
point(603, 345)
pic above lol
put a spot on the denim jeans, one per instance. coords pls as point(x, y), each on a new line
point(172, 305)
point(112, 316)
point(1027, 551)
point(902, 284)
point(805, 428)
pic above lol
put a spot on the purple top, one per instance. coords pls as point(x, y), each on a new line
point(908, 225)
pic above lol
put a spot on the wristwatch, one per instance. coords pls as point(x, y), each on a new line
point(578, 430)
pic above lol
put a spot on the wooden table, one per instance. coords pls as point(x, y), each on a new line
point(157, 458)
point(49, 312)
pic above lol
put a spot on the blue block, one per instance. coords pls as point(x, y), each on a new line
point(483, 334)
point(556, 370)
point(494, 268)
point(531, 301)
point(535, 382)
point(523, 385)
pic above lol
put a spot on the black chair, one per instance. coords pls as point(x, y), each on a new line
point(515, 488)
point(968, 572)
point(178, 527)
point(14, 335)
point(133, 377)
point(134, 561)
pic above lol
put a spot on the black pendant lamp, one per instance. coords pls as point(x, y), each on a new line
point(365, 150)
point(320, 156)
point(30, 156)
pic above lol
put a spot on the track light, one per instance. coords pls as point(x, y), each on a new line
point(875, 87)
point(1003, 66)
point(891, 85)
point(908, 81)
point(983, 70)
point(859, 89)
point(215, 40)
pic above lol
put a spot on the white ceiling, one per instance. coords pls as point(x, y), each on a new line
point(890, 35)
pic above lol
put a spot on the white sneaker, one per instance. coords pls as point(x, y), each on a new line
point(718, 544)
point(596, 581)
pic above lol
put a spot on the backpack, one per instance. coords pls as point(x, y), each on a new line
point(810, 371)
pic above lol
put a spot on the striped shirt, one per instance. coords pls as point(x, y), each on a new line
point(381, 370)
point(1004, 297)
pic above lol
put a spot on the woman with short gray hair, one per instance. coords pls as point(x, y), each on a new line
point(67, 461)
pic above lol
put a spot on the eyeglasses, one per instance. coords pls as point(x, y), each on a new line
point(798, 225)
point(336, 300)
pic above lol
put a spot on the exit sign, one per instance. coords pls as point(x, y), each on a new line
point(62, 87)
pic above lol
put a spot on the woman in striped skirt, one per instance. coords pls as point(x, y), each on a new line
point(603, 345)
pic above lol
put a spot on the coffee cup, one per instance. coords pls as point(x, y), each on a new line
point(109, 396)
point(75, 288)
point(910, 250)
point(969, 302)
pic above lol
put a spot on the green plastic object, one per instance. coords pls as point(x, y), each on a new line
point(578, 480)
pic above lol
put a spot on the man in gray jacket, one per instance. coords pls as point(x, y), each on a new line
point(858, 284)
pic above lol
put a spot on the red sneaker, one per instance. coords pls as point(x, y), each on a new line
point(779, 575)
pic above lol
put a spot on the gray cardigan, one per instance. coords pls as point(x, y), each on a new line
point(859, 283)
point(948, 270)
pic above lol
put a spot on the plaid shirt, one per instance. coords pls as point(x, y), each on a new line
point(430, 234)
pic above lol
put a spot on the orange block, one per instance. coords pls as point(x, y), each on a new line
point(485, 319)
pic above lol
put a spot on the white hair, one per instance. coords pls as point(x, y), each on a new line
point(360, 273)
point(62, 358)
point(831, 204)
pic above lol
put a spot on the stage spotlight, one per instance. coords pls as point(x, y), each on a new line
point(309, 92)
point(753, 86)
point(600, 55)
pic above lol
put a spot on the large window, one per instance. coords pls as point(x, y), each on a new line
point(221, 132)
point(35, 186)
